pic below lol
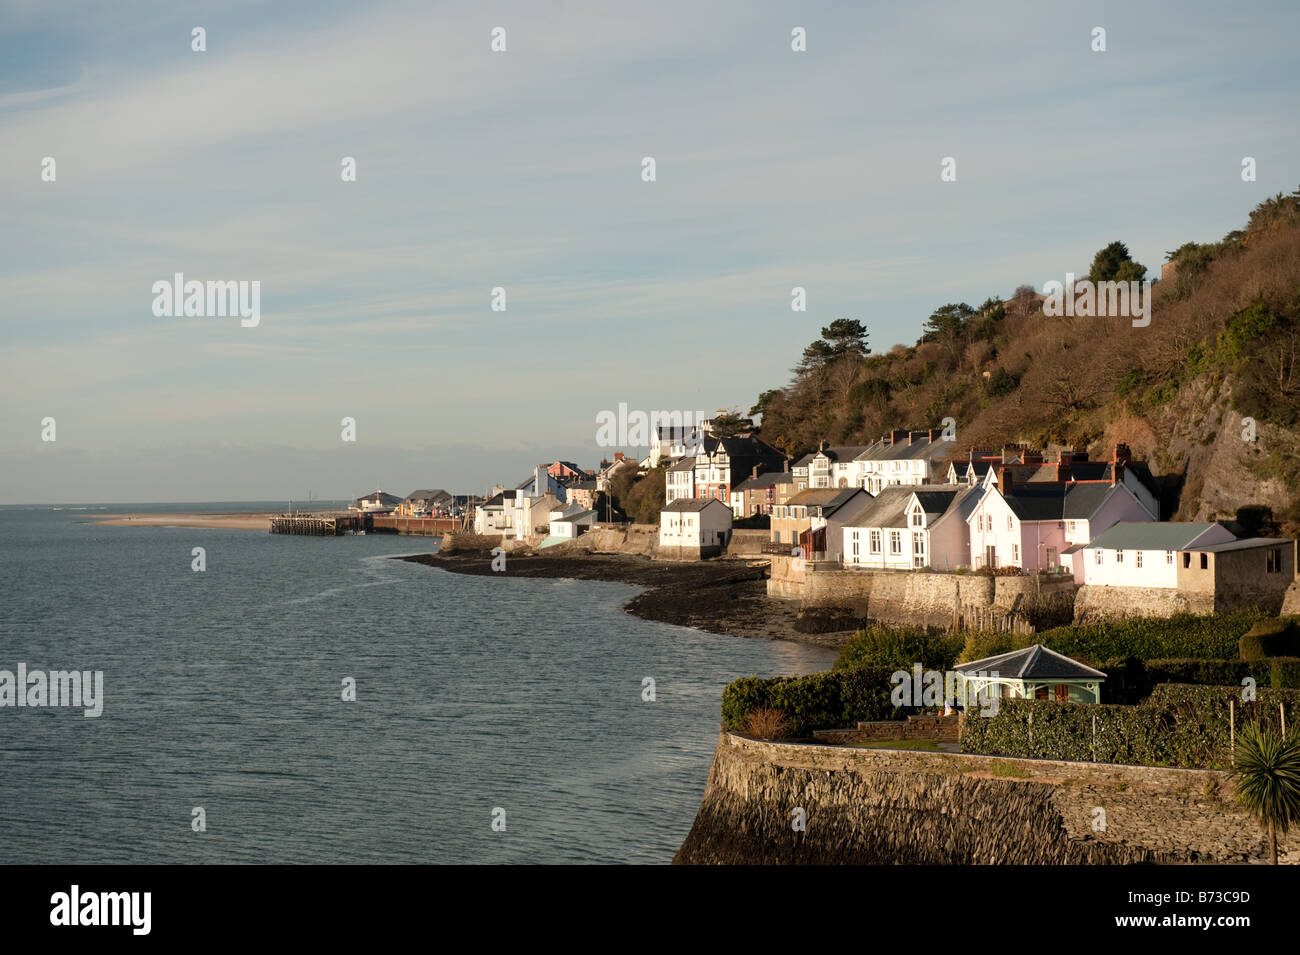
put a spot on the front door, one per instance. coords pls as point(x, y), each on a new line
point(990, 556)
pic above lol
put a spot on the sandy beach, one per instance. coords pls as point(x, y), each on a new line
point(233, 522)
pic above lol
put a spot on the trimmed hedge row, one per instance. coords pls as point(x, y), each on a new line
point(833, 698)
point(1132, 680)
point(1270, 638)
point(899, 649)
point(1179, 725)
point(1182, 637)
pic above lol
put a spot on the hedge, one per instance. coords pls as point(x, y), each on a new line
point(1270, 638)
point(1181, 637)
point(899, 649)
point(831, 699)
point(1179, 725)
point(1131, 681)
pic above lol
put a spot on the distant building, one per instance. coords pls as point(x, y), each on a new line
point(380, 502)
point(424, 503)
point(759, 493)
point(694, 529)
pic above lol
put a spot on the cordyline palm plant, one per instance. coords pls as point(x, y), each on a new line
point(1266, 768)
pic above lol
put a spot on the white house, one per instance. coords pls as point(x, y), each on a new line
point(490, 516)
point(901, 457)
point(1144, 554)
point(693, 529)
point(910, 527)
point(571, 521)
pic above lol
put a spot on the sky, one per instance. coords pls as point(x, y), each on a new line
point(522, 169)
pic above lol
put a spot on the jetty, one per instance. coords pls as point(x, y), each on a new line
point(321, 525)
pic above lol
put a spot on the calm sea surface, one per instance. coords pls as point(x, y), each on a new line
point(223, 691)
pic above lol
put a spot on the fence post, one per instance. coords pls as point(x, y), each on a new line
point(1281, 710)
point(1031, 732)
point(1232, 731)
point(1094, 737)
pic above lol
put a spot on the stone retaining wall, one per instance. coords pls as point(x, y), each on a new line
point(875, 806)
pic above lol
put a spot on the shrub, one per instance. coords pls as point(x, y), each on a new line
point(899, 649)
point(979, 644)
point(1185, 636)
point(764, 722)
point(832, 699)
point(1284, 673)
point(1180, 725)
point(1270, 638)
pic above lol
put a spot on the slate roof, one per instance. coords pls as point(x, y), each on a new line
point(1162, 535)
point(425, 495)
point(685, 464)
point(1053, 501)
point(888, 509)
point(693, 504)
point(770, 479)
point(1032, 663)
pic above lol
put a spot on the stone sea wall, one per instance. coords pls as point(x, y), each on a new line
point(918, 598)
point(870, 806)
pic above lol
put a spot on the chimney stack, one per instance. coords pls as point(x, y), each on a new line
point(897, 436)
point(823, 445)
point(1005, 480)
point(1065, 466)
point(785, 466)
point(754, 472)
point(1120, 461)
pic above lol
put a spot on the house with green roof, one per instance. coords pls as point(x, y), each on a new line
point(1034, 673)
point(1132, 554)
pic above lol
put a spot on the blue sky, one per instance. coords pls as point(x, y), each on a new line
point(522, 170)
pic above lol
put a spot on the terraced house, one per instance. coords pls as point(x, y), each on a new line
point(1038, 526)
point(908, 528)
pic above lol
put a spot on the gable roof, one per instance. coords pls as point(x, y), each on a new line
point(1162, 535)
point(693, 504)
point(770, 479)
point(1032, 663)
point(1053, 501)
point(425, 495)
point(887, 509)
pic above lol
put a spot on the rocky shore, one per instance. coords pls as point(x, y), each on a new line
point(718, 596)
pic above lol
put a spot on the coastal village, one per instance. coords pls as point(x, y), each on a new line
point(910, 503)
point(1043, 580)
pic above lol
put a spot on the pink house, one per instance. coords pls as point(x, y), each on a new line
point(1039, 526)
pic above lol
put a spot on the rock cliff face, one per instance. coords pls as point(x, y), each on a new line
point(889, 807)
